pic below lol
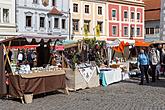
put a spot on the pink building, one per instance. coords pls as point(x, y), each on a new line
point(125, 19)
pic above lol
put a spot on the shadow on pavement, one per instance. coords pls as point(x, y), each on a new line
point(157, 83)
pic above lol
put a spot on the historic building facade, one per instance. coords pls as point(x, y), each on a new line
point(125, 19)
point(116, 18)
point(7, 17)
point(89, 13)
point(49, 17)
point(162, 21)
point(152, 20)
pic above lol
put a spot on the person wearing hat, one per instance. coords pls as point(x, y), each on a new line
point(143, 65)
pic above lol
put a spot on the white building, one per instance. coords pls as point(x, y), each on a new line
point(49, 17)
point(7, 17)
point(162, 21)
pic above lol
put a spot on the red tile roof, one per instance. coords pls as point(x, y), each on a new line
point(152, 4)
point(54, 11)
point(152, 10)
point(152, 15)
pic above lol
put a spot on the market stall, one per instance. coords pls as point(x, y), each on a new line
point(23, 76)
point(118, 67)
point(80, 72)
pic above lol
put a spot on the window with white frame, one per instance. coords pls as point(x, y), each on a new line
point(87, 23)
point(42, 22)
point(147, 30)
point(138, 31)
point(56, 22)
point(99, 10)
point(63, 24)
point(75, 7)
point(35, 1)
point(86, 8)
point(114, 30)
point(114, 13)
point(157, 30)
point(75, 25)
point(0, 15)
point(151, 30)
point(6, 15)
point(132, 31)
point(28, 21)
point(100, 23)
point(138, 16)
point(125, 31)
point(132, 15)
point(53, 2)
point(125, 14)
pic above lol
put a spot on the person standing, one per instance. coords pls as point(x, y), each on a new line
point(154, 61)
point(143, 64)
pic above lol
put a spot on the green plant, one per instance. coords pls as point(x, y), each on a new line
point(74, 61)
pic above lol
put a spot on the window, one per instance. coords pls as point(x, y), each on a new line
point(86, 8)
point(100, 10)
point(114, 30)
point(125, 14)
point(87, 23)
point(63, 23)
point(125, 31)
point(100, 25)
point(132, 31)
point(138, 31)
point(56, 23)
point(49, 24)
point(75, 7)
point(138, 16)
point(147, 31)
point(157, 30)
point(151, 30)
point(42, 22)
point(75, 24)
point(28, 21)
point(35, 1)
point(53, 2)
point(6, 15)
point(132, 15)
point(114, 13)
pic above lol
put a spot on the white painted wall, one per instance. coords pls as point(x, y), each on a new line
point(37, 10)
point(7, 27)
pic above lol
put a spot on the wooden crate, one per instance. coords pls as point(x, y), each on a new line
point(75, 80)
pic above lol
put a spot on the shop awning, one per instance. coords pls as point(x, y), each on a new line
point(117, 42)
point(142, 44)
point(36, 37)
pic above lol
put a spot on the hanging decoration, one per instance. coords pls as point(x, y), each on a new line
point(98, 30)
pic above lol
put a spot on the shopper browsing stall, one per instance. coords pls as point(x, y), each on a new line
point(154, 61)
point(143, 64)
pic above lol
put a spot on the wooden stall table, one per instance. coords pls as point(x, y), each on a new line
point(36, 83)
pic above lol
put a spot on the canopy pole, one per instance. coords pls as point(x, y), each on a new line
point(3, 89)
point(6, 52)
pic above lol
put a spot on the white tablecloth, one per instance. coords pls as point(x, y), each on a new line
point(111, 75)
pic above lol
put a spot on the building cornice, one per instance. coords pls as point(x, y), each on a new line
point(153, 9)
point(127, 2)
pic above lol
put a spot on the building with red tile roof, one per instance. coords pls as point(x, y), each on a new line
point(152, 19)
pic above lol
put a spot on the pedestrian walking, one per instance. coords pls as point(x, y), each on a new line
point(154, 58)
point(143, 64)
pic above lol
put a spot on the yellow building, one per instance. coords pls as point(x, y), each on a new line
point(88, 14)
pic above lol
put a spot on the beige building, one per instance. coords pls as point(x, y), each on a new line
point(7, 17)
point(89, 13)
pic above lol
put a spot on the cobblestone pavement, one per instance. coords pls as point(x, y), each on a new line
point(126, 95)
